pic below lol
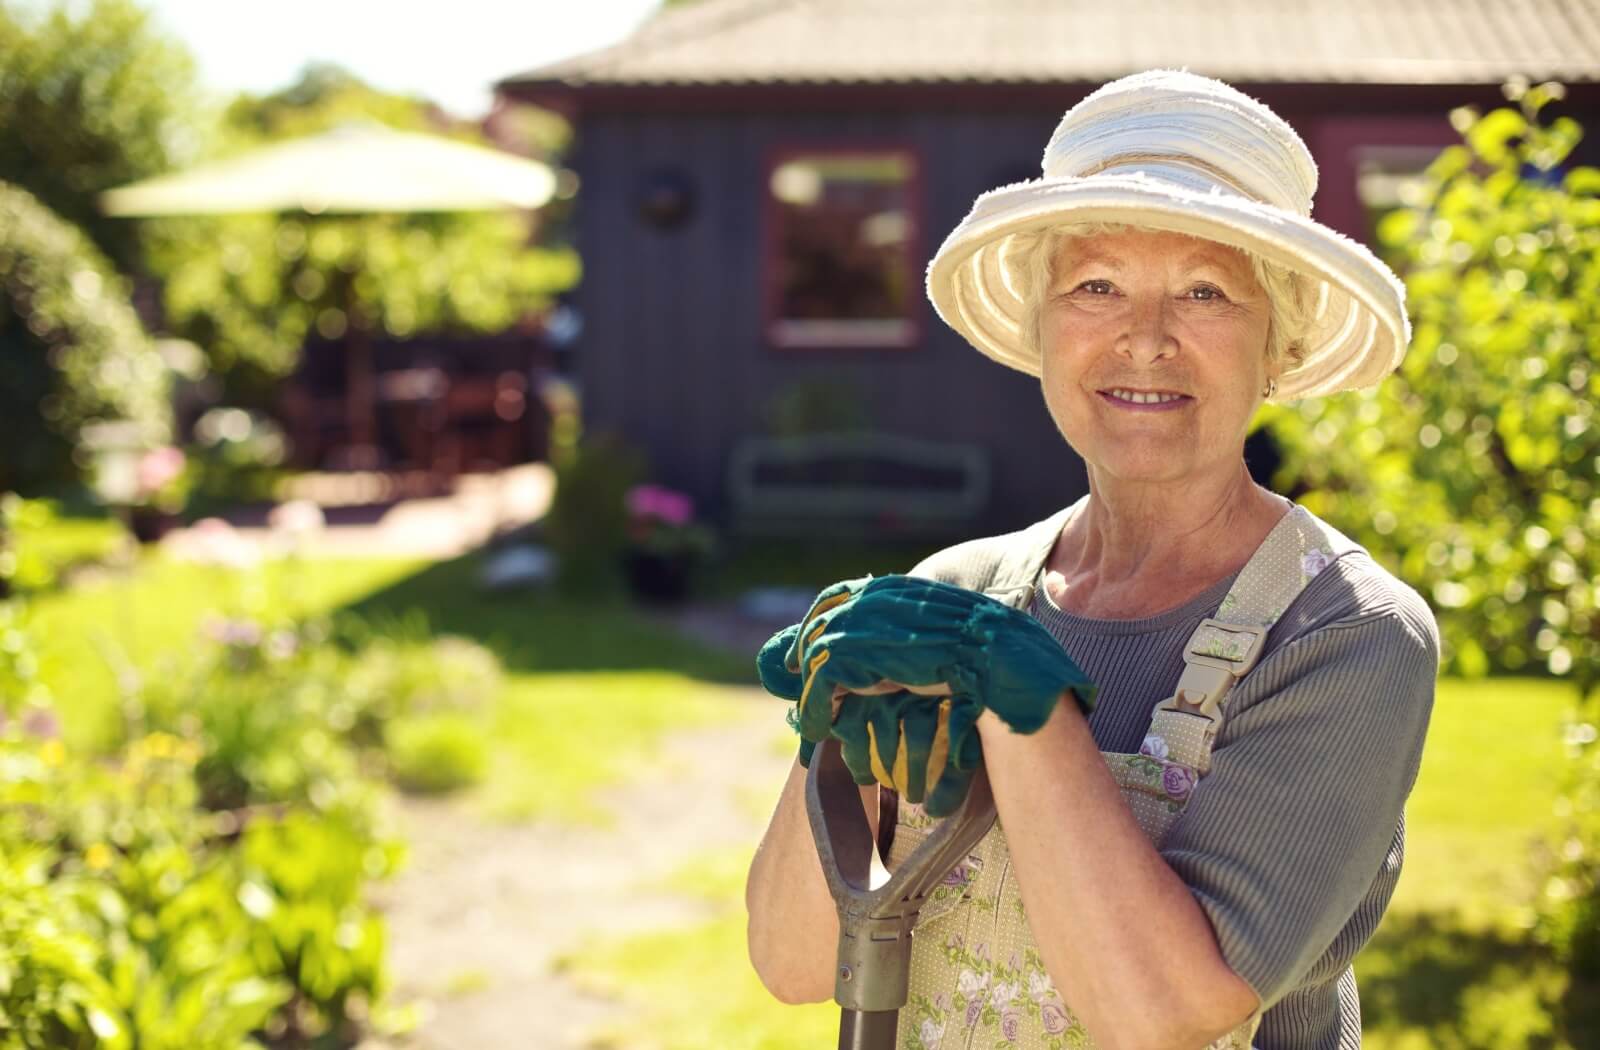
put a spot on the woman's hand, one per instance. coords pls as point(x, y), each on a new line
point(893, 633)
point(899, 669)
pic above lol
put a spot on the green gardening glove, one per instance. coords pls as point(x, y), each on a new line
point(902, 632)
point(907, 741)
point(901, 740)
point(783, 683)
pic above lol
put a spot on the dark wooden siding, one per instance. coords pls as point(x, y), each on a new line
point(673, 355)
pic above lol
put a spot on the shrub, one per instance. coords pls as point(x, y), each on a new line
point(438, 753)
point(587, 526)
point(72, 351)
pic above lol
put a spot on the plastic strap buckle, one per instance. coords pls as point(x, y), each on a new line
point(1218, 654)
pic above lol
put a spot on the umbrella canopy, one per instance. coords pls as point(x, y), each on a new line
point(363, 167)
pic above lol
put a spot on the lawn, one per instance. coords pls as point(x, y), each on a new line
point(1451, 967)
point(590, 687)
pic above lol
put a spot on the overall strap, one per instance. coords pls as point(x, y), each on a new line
point(1226, 646)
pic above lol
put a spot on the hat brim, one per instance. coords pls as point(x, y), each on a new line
point(1359, 330)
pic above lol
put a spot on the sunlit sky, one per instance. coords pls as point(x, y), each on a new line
point(450, 52)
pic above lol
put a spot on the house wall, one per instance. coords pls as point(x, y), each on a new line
point(672, 354)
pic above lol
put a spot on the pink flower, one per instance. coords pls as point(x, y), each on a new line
point(663, 504)
point(1010, 1024)
point(974, 1008)
point(1054, 1017)
point(157, 469)
point(1154, 746)
point(41, 723)
point(1177, 782)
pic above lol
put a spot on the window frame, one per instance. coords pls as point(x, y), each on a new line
point(843, 337)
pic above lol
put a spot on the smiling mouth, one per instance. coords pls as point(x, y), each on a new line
point(1142, 397)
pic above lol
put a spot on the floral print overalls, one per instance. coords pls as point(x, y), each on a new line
point(977, 979)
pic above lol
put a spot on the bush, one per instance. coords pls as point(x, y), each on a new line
point(587, 526)
point(72, 351)
point(120, 916)
point(438, 753)
point(1476, 463)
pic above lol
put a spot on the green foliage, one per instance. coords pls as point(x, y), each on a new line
point(1478, 462)
point(72, 351)
point(587, 526)
point(123, 922)
point(303, 879)
point(92, 96)
point(251, 289)
point(438, 753)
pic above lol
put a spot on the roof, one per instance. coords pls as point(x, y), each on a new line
point(1055, 41)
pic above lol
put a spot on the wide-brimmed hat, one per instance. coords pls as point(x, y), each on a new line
point(1175, 151)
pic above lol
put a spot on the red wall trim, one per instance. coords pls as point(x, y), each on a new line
point(914, 259)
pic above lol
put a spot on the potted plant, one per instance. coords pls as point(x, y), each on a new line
point(665, 544)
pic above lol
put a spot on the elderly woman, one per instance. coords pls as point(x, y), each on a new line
point(1196, 861)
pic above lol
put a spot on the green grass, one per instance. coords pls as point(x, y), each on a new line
point(591, 687)
point(1451, 967)
point(560, 737)
point(138, 620)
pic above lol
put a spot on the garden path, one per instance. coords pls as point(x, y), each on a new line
point(484, 911)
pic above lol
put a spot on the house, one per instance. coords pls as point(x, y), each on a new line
point(763, 182)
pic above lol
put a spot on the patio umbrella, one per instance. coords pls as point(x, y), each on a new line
point(358, 167)
point(355, 168)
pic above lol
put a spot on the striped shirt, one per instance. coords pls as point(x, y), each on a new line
point(1292, 844)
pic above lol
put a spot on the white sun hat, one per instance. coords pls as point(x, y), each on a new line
point(1171, 150)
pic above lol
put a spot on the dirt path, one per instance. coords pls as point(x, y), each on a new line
point(483, 910)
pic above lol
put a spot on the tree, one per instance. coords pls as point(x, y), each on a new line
point(71, 350)
point(92, 97)
point(1477, 464)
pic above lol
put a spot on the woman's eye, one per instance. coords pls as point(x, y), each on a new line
point(1206, 293)
point(1096, 287)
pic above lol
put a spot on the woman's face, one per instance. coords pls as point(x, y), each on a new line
point(1154, 354)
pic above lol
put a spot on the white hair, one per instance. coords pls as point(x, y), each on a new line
point(1288, 292)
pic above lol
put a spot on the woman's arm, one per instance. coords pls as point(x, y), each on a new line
point(793, 933)
point(1122, 937)
point(1279, 844)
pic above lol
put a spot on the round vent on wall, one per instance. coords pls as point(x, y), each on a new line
point(665, 199)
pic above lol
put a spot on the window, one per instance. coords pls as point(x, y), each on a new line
point(841, 243)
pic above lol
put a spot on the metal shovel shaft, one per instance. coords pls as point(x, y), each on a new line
point(877, 909)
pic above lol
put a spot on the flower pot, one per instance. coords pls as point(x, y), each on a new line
point(661, 579)
point(148, 524)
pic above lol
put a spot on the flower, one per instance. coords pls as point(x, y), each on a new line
point(1010, 1024)
point(974, 1008)
point(1004, 992)
point(661, 521)
point(1154, 746)
point(970, 983)
point(1040, 987)
point(1314, 562)
point(41, 723)
point(1054, 1017)
point(932, 1031)
point(654, 501)
point(1177, 781)
point(156, 475)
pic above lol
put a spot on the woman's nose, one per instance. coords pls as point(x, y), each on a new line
point(1147, 337)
